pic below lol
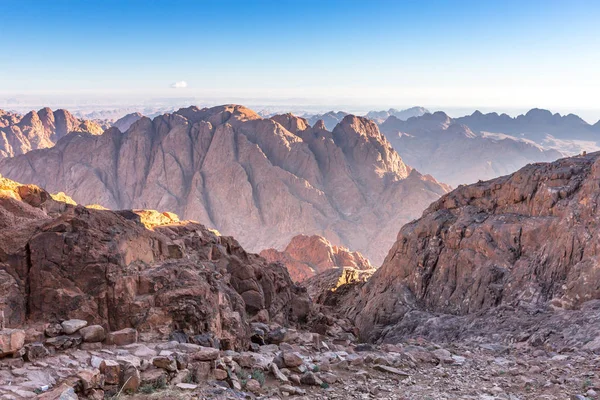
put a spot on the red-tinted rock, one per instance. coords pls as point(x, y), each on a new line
point(306, 256)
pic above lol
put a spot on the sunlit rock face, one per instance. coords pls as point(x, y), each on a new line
point(263, 181)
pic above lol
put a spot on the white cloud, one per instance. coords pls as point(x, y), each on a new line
point(179, 85)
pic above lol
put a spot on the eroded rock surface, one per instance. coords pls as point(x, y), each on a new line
point(524, 240)
point(38, 130)
point(306, 256)
point(67, 262)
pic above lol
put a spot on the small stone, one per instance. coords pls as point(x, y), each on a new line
point(63, 392)
point(93, 333)
point(64, 342)
point(111, 370)
point(186, 386)
point(444, 356)
point(220, 374)
point(391, 370)
point(130, 378)
point(167, 363)
point(73, 325)
point(54, 330)
point(277, 373)
point(35, 351)
point(292, 360)
point(122, 337)
point(309, 378)
point(253, 385)
point(90, 379)
point(204, 354)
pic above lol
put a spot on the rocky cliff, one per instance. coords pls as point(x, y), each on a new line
point(131, 269)
point(38, 130)
point(261, 180)
point(306, 256)
point(524, 240)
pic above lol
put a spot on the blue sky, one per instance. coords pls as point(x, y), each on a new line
point(448, 53)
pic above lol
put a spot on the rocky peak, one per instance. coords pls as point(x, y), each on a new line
point(41, 129)
point(291, 122)
point(354, 134)
point(126, 121)
point(320, 125)
point(306, 256)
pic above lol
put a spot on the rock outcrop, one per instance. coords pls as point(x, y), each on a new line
point(38, 130)
point(525, 240)
point(306, 256)
point(61, 261)
point(450, 151)
point(262, 181)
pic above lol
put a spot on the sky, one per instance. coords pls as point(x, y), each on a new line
point(485, 54)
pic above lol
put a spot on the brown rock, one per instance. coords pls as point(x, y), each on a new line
point(122, 337)
point(73, 325)
point(507, 241)
point(91, 255)
point(111, 370)
point(90, 379)
point(306, 256)
point(93, 333)
point(35, 351)
point(253, 386)
point(130, 379)
point(204, 354)
point(220, 374)
point(54, 330)
point(201, 371)
point(11, 341)
point(38, 130)
point(292, 360)
point(62, 392)
point(167, 363)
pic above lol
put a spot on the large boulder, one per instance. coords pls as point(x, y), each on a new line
point(109, 269)
point(529, 240)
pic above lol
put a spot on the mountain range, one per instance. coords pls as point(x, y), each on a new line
point(453, 153)
point(262, 180)
point(38, 130)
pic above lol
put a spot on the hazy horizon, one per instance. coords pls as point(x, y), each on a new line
point(506, 55)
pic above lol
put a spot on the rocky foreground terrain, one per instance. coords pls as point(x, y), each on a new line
point(260, 180)
point(471, 303)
